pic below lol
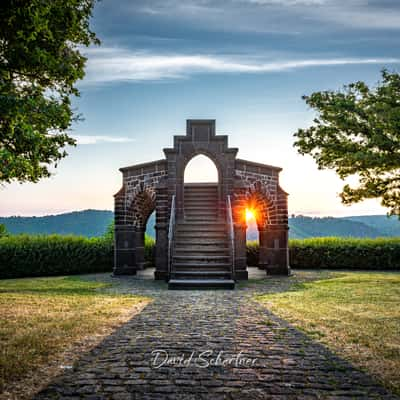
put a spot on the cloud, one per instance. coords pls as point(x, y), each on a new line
point(288, 2)
point(106, 65)
point(285, 16)
point(93, 139)
point(370, 18)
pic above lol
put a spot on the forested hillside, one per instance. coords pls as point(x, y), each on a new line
point(94, 223)
point(86, 223)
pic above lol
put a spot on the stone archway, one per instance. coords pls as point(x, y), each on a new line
point(142, 205)
point(160, 185)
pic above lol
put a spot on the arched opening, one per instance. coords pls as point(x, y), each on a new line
point(255, 212)
point(252, 235)
point(252, 228)
point(201, 192)
point(150, 225)
point(142, 207)
point(201, 169)
point(150, 240)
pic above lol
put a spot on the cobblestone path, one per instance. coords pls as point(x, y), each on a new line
point(209, 345)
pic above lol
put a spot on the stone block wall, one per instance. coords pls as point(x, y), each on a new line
point(133, 205)
point(257, 186)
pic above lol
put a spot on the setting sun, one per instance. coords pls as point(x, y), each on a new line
point(250, 214)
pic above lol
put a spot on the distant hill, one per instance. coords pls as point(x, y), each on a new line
point(365, 226)
point(303, 227)
point(388, 226)
point(95, 222)
point(86, 223)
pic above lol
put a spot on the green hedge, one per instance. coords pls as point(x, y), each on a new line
point(252, 253)
point(374, 254)
point(339, 253)
point(46, 255)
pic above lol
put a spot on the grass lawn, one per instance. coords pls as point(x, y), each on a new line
point(357, 314)
point(48, 322)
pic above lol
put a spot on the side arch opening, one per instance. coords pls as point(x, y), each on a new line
point(143, 215)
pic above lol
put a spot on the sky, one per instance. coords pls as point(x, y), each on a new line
point(245, 63)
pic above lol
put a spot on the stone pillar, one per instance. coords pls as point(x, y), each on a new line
point(274, 252)
point(161, 272)
point(124, 250)
point(139, 248)
point(163, 203)
point(240, 252)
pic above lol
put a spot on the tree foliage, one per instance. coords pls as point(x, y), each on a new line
point(3, 231)
point(357, 132)
point(40, 62)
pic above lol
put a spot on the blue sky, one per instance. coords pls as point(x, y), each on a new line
point(245, 63)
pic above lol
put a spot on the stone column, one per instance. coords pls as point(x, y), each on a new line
point(139, 248)
point(124, 250)
point(163, 202)
point(274, 252)
point(240, 252)
point(161, 272)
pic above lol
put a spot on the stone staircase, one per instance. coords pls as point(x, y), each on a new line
point(201, 256)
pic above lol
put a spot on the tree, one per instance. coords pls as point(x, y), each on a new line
point(3, 231)
point(357, 132)
point(40, 62)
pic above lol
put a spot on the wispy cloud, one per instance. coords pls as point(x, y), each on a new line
point(107, 65)
point(285, 16)
point(289, 2)
point(93, 139)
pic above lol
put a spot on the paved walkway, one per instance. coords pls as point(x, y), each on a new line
point(209, 345)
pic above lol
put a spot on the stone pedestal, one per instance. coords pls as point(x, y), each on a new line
point(161, 272)
point(124, 250)
point(240, 252)
point(274, 253)
point(139, 248)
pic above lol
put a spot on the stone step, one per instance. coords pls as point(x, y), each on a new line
point(189, 219)
point(201, 242)
point(200, 199)
point(200, 235)
point(201, 193)
point(205, 214)
point(219, 222)
point(200, 254)
point(203, 258)
point(197, 215)
point(200, 274)
point(192, 203)
point(209, 248)
point(200, 188)
point(201, 196)
point(201, 284)
point(202, 213)
point(205, 227)
point(216, 224)
point(198, 266)
point(199, 206)
point(190, 253)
